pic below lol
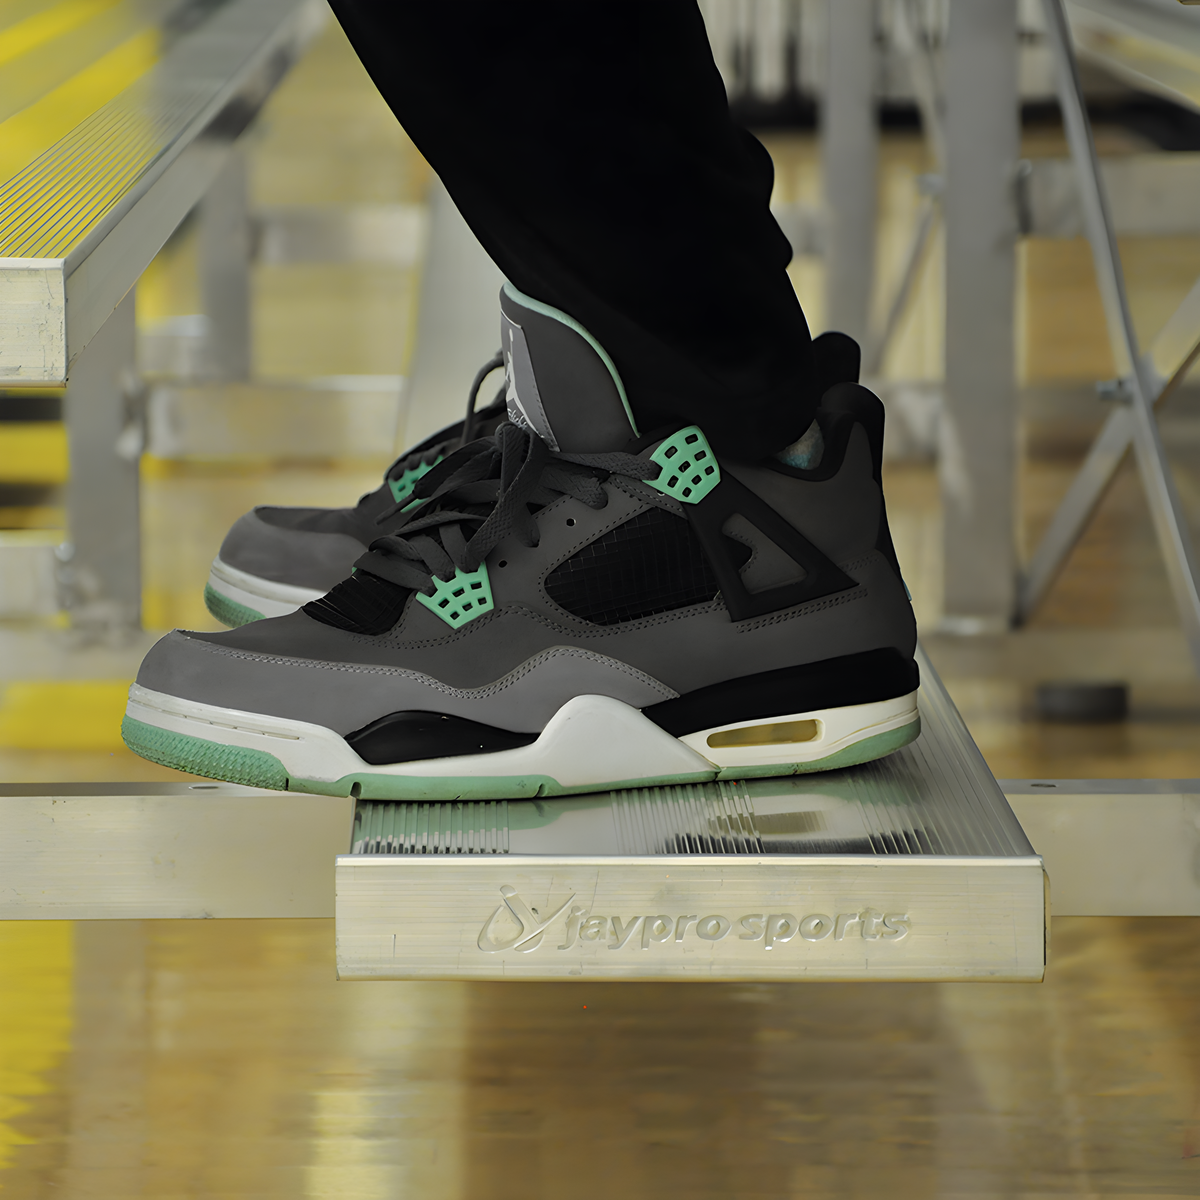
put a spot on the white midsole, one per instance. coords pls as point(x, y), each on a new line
point(262, 595)
point(576, 748)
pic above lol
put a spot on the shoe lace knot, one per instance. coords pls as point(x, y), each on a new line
point(481, 494)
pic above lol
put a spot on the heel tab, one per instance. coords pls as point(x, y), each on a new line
point(560, 382)
point(854, 400)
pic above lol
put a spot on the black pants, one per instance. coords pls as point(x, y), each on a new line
point(589, 146)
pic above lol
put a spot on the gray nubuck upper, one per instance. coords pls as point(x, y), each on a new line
point(555, 620)
point(301, 547)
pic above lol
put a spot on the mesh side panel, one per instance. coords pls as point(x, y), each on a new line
point(455, 827)
point(651, 564)
point(364, 603)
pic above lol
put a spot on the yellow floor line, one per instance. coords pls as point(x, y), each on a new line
point(36, 978)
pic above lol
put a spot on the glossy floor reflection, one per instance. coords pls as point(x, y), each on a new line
point(220, 1059)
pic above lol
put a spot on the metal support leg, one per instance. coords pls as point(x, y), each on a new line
point(849, 146)
point(912, 41)
point(1165, 509)
point(769, 57)
point(979, 427)
point(225, 237)
point(877, 344)
point(101, 577)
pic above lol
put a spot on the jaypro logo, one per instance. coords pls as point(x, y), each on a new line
point(516, 926)
point(530, 925)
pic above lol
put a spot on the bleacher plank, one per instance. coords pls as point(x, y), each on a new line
point(82, 220)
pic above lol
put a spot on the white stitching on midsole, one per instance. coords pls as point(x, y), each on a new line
point(143, 698)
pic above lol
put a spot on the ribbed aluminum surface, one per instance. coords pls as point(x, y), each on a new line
point(42, 62)
point(717, 819)
point(455, 827)
point(51, 208)
point(951, 801)
point(935, 797)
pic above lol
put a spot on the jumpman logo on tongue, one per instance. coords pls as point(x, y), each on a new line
point(516, 410)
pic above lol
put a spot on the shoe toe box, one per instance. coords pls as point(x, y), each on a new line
point(206, 670)
point(281, 545)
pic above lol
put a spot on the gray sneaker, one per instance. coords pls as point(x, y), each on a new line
point(573, 606)
point(275, 560)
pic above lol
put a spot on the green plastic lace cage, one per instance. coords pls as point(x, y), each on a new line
point(689, 467)
point(459, 600)
point(402, 487)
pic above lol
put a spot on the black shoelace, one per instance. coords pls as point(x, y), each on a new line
point(488, 488)
point(472, 500)
point(432, 453)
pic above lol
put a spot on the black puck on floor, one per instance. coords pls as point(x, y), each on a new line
point(1082, 701)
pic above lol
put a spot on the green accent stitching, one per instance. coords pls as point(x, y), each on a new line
point(228, 612)
point(558, 315)
point(467, 596)
point(402, 488)
point(689, 467)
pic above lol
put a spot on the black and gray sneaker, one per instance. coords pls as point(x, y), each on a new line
point(274, 560)
point(573, 606)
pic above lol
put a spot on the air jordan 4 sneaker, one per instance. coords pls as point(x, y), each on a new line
point(567, 605)
point(274, 560)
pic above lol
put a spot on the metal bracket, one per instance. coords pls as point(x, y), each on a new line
point(1114, 391)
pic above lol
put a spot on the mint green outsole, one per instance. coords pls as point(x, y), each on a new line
point(228, 612)
point(233, 764)
point(257, 768)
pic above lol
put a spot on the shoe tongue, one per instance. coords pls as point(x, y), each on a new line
point(560, 382)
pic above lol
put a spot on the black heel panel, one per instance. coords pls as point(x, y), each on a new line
point(868, 410)
point(837, 358)
point(862, 678)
